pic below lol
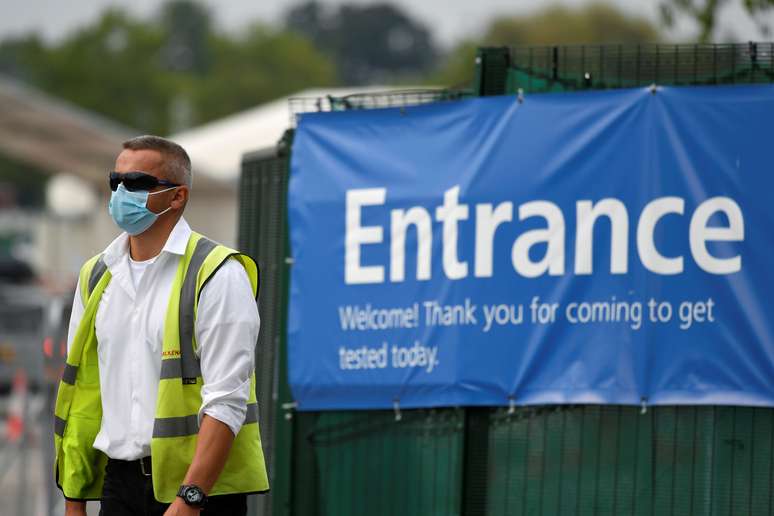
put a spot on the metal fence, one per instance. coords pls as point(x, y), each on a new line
point(506, 70)
point(373, 100)
point(546, 460)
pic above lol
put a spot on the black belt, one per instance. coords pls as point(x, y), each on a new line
point(143, 465)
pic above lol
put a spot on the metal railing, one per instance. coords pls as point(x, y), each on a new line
point(371, 100)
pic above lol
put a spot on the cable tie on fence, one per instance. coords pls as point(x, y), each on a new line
point(289, 408)
point(511, 405)
point(396, 409)
point(289, 260)
point(643, 406)
point(520, 95)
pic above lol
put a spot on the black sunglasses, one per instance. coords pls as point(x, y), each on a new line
point(137, 181)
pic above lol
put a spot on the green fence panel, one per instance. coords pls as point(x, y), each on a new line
point(263, 235)
point(611, 460)
point(355, 463)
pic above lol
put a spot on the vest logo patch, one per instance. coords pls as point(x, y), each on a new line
point(171, 353)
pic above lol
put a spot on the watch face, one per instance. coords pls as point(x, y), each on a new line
point(192, 495)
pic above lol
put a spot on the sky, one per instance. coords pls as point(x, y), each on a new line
point(451, 20)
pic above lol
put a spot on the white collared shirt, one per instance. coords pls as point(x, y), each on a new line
point(130, 328)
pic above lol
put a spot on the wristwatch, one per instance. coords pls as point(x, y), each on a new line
point(192, 495)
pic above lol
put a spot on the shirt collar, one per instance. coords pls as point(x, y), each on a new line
point(178, 238)
point(175, 244)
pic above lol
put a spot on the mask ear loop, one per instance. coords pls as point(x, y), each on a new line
point(161, 191)
point(164, 190)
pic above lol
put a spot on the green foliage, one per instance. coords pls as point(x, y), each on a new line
point(111, 68)
point(169, 73)
point(187, 27)
point(370, 43)
point(458, 68)
point(595, 23)
point(287, 63)
point(705, 14)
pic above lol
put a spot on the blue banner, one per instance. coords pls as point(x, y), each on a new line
point(600, 247)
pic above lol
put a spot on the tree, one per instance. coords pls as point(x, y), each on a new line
point(705, 13)
point(595, 23)
point(110, 67)
point(18, 54)
point(187, 29)
point(370, 43)
point(262, 65)
point(168, 73)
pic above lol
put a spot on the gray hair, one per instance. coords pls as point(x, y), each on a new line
point(177, 164)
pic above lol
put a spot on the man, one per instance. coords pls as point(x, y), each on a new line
point(156, 411)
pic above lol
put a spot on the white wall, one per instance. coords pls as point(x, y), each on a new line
point(214, 215)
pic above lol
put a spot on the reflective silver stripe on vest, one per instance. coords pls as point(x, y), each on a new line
point(59, 426)
point(171, 368)
point(69, 374)
point(252, 414)
point(189, 425)
point(96, 273)
point(175, 426)
point(190, 364)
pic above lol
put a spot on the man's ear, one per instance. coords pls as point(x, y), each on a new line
point(180, 199)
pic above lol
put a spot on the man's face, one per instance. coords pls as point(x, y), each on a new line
point(151, 162)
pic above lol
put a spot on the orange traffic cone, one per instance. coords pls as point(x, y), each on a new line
point(14, 425)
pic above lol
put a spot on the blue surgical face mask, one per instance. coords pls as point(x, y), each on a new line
point(130, 209)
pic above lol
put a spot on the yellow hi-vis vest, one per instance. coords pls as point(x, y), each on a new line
point(79, 467)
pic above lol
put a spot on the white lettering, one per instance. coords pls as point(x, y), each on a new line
point(357, 235)
point(588, 214)
point(699, 234)
point(553, 235)
point(400, 220)
point(491, 217)
point(450, 213)
point(649, 255)
point(487, 221)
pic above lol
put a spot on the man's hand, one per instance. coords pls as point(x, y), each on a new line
point(75, 508)
point(179, 508)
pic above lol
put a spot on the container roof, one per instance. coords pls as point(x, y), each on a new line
point(57, 137)
point(216, 148)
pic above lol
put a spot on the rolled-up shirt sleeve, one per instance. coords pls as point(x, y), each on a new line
point(227, 325)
